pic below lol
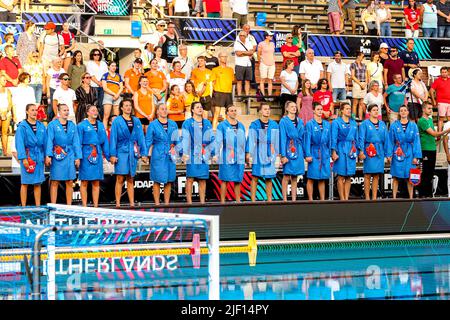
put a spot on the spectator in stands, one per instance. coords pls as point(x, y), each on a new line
point(243, 65)
point(186, 62)
point(429, 19)
point(144, 103)
point(203, 79)
point(27, 42)
point(175, 105)
point(443, 9)
point(10, 67)
point(359, 85)
point(86, 95)
point(65, 95)
point(76, 69)
point(157, 82)
point(162, 63)
point(34, 67)
point(6, 10)
point(181, 8)
point(394, 65)
point(440, 96)
point(375, 70)
point(169, 43)
point(158, 8)
point(369, 19)
point(176, 77)
point(373, 97)
point(266, 58)
point(384, 17)
point(211, 60)
point(311, 69)
point(97, 67)
point(223, 87)
point(289, 84)
point(305, 102)
point(69, 44)
point(337, 74)
point(112, 84)
point(254, 45)
point(428, 142)
point(291, 52)
point(240, 11)
point(155, 39)
point(418, 94)
point(412, 18)
point(297, 40)
point(6, 112)
point(325, 97)
point(190, 96)
point(50, 44)
point(409, 56)
point(395, 97)
point(383, 52)
point(198, 8)
point(212, 8)
point(147, 56)
point(349, 14)
point(22, 95)
point(131, 78)
point(9, 41)
point(334, 16)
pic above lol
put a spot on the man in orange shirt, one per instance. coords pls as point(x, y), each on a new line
point(223, 86)
point(131, 78)
point(202, 78)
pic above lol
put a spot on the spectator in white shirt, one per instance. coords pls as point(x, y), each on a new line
point(338, 74)
point(65, 95)
point(187, 64)
point(52, 82)
point(240, 11)
point(96, 67)
point(311, 69)
point(50, 45)
point(243, 66)
point(181, 8)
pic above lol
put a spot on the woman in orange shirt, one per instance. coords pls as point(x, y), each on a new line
point(157, 83)
point(143, 103)
point(175, 105)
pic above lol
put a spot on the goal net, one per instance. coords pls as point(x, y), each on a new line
point(69, 252)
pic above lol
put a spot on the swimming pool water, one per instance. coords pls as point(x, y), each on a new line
point(412, 272)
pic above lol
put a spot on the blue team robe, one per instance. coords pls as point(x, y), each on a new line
point(88, 137)
point(343, 137)
point(162, 167)
point(230, 148)
point(25, 140)
point(318, 146)
point(380, 139)
point(263, 146)
point(409, 142)
point(193, 141)
point(63, 170)
point(292, 136)
point(122, 145)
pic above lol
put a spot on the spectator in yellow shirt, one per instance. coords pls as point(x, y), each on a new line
point(223, 87)
point(190, 96)
point(202, 78)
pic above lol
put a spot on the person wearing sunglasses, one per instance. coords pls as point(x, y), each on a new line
point(97, 67)
point(86, 95)
point(394, 65)
point(65, 95)
point(211, 60)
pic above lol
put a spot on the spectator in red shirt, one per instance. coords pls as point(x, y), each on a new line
point(291, 52)
point(69, 44)
point(325, 97)
point(10, 67)
point(212, 8)
point(412, 17)
point(394, 65)
point(440, 96)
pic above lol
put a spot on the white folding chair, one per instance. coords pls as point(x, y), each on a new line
point(433, 73)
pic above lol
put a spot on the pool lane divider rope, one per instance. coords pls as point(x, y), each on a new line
point(195, 252)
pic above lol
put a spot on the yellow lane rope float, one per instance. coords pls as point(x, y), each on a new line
point(195, 250)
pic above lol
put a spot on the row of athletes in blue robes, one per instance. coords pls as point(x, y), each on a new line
point(289, 138)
